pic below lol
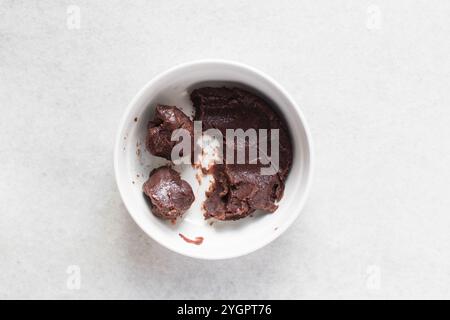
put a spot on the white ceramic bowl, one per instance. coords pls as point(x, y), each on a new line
point(132, 163)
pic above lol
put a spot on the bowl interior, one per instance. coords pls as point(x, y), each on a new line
point(133, 164)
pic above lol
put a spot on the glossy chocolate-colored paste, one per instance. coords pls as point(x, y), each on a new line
point(165, 121)
point(240, 189)
point(170, 196)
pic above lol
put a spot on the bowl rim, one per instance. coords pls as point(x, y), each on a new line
point(308, 141)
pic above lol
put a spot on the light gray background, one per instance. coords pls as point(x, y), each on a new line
point(376, 96)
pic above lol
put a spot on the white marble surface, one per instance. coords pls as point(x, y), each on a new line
point(372, 78)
